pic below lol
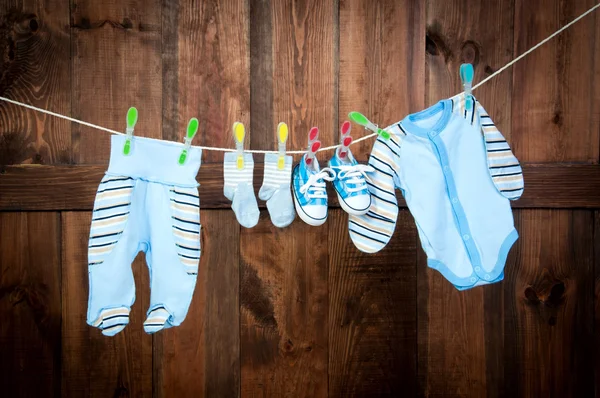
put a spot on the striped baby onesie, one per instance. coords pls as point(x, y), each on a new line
point(456, 172)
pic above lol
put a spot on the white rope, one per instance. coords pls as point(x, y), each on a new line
point(366, 137)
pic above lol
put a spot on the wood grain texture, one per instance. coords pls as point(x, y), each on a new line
point(304, 58)
point(372, 313)
point(26, 188)
point(597, 298)
point(381, 70)
point(208, 78)
point(261, 76)
point(34, 69)
point(549, 306)
point(201, 358)
point(94, 365)
point(116, 52)
point(476, 32)
point(460, 342)
point(30, 304)
point(555, 101)
point(460, 333)
point(283, 310)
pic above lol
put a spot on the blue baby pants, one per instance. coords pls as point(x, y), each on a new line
point(145, 202)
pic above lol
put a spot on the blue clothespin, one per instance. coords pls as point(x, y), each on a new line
point(466, 76)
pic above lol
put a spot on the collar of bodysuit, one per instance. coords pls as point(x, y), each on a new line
point(410, 126)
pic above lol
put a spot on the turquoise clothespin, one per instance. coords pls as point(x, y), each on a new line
point(192, 129)
point(359, 118)
point(132, 117)
point(466, 76)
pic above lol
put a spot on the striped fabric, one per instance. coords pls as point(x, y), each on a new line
point(372, 231)
point(274, 178)
point(185, 216)
point(112, 320)
point(504, 167)
point(111, 211)
point(239, 190)
point(156, 320)
point(233, 177)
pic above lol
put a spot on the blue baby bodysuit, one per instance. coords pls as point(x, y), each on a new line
point(457, 173)
point(463, 216)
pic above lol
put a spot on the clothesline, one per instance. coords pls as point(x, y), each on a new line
point(366, 137)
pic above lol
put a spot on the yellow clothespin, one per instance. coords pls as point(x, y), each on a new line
point(239, 132)
point(282, 136)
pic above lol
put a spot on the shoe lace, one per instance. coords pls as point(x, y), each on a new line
point(354, 175)
point(315, 189)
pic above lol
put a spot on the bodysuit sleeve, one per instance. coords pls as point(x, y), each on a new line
point(372, 231)
point(504, 167)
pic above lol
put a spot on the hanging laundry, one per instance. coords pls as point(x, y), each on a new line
point(463, 216)
point(146, 202)
point(276, 183)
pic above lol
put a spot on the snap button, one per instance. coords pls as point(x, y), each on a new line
point(446, 168)
point(473, 279)
point(431, 134)
point(477, 268)
point(466, 237)
point(487, 277)
point(454, 200)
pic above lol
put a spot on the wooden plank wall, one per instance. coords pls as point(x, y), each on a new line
point(298, 312)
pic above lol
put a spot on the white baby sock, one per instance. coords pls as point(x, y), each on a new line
point(276, 191)
point(239, 189)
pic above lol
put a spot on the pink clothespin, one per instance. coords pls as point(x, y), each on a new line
point(345, 139)
point(313, 145)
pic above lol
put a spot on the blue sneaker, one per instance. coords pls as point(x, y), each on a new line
point(351, 183)
point(310, 194)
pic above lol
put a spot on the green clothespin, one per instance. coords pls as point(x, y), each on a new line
point(466, 76)
point(192, 129)
point(359, 118)
point(132, 117)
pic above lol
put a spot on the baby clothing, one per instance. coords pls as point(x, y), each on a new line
point(372, 231)
point(145, 202)
point(276, 190)
point(456, 173)
point(239, 189)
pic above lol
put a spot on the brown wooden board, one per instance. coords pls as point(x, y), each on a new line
point(381, 70)
point(283, 310)
point(460, 337)
point(597, 298)
point(94, 365)
point(549, 306)
point(555, 98)
point(207, 71)
point(116, 53)
point(473, 32)
point(201, 357)
point(30, 304)
point(261, 76)
point(74, 187)
point(304, 81)
point(372, 313)
point(34, 69)
point(460, 333)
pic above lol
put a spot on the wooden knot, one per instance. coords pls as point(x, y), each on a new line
point(435, 42)
point(469, 52)
point(288, 346)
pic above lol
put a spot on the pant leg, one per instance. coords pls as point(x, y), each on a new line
point(113, 244)
point(174, 253)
